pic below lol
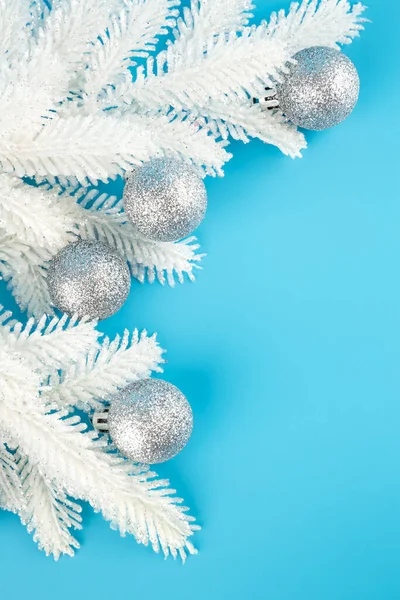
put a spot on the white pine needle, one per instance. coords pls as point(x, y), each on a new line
point(11, 496)
point(48, 513)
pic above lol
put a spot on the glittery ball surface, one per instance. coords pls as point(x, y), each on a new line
point(165, 200)
point(150, 421)
point(320, 90)
point(88, 278)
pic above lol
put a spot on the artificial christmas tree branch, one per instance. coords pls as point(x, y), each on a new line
point(56, 363)
point(71, 110)
point(88, 95)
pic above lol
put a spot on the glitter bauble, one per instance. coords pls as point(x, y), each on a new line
point(88, 278)
point(320, 90)
point(150, 421)
point(165, 200)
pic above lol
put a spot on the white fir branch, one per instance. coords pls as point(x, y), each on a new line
point(212, 59)
point(22, 267)
point(19, 380)
point(14, 17)
point(10, 485)
point(62, 460)
point(103, 146)
point(189, 143)
point(166, 262)
point(132, 33)
point(29, 288)
point(135, 504)
point(34, 215)
point(233, 66)
point(241, 121)
point(23, 102)
point(12, 249)
point(72, 26)
point(89, 383)
point(36, 85)
point(203, 20)
point(316, 23)
point(94, 147)
point(48, 513)
point(254, 60)
point(51, 342)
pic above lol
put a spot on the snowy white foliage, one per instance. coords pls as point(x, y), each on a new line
point(49, 459)
point(85, 96)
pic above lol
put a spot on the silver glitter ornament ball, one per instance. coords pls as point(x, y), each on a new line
point(150, 421)
point(165, 200)
point(88, 278)
point(320, 90)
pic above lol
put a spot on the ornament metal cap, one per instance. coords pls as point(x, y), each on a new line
point(100, 420)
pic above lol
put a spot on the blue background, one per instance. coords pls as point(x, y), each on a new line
point(288, 348)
